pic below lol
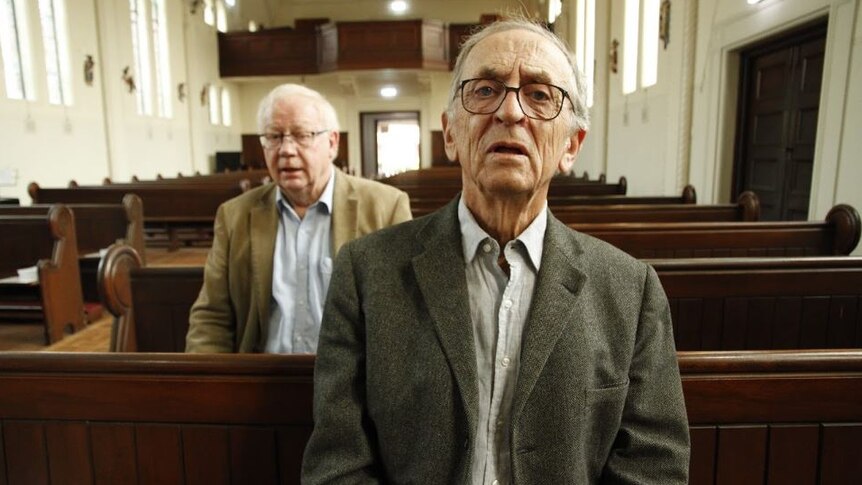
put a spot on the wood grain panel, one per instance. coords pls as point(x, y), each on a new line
point(159, 454)
point(253, 456)
point(842, 454)
point(206, 455)
point(734, 327)
point(2, 458)
point(703, 448)
point(788, 321)
point(741, 455)
point(815, 311)
point(26, 457)
point(711, 328)
point(69, 455)
point(113, 448)
point(291, 446)
point(841, 331)
point(793, 454)
point(761, 313)
point(687, 330)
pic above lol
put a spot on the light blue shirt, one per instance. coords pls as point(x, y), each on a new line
point(499, 306)
point(301, 269)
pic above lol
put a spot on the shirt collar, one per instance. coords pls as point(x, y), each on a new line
point(325, 199)
point(472, 234)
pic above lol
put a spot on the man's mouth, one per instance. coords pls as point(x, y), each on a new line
point(509, 148)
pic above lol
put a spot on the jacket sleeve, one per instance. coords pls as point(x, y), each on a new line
point(212, 320)
point(652, 444)
point(341, 448)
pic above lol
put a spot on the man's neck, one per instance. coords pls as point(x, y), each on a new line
point(504, 218)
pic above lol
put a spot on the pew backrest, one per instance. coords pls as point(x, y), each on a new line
point(838, 235)
point(764, 303)
point(755, 417)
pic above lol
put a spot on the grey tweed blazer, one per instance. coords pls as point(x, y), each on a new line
point(598, 399)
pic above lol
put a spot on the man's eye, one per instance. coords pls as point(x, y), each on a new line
point(484, 91)
point(538, 95)
point(272, 136)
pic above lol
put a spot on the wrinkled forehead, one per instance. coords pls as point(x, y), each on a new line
point(520, 54)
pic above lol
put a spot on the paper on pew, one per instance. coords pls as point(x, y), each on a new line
point(29, 274)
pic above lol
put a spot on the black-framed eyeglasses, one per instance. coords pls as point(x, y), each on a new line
point(302, 139)
point(539, 101)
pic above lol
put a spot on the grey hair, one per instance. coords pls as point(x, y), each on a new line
point(264, 109)
point(575, 85)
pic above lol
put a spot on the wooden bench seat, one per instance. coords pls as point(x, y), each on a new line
point(837, 235)
point(755, 417)
point(49, 242)
point(764, 303)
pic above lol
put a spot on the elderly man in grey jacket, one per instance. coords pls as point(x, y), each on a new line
point(488, 343)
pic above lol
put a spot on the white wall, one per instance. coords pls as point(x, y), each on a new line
point(101, 134)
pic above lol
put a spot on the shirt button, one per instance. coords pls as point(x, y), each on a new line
point(486, 248)
point(495, 482)
point(507, 304)
point(506, 361)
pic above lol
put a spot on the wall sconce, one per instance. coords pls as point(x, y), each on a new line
point(615, 44)
point(181, 92)
point(205, 94)
point(664, 23)
point(89, 64)
point(129, 79)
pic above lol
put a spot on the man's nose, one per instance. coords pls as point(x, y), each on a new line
point(510, 110)
point(287, 147)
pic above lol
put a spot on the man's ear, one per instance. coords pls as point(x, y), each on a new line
point(573, 147)
point(448, 139)
point(334, 136)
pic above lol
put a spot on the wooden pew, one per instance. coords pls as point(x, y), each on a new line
point(746, 208)
point(97, 226)
point(755, 417)
point(49, 242)
point(158, 297)
point(426, 200)
point(226, 178)
point(837, 235)
point(764, 303)
point(181, 213)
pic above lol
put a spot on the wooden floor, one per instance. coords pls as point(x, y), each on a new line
point(97, 336)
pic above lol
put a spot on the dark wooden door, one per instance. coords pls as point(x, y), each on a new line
point(780, 95)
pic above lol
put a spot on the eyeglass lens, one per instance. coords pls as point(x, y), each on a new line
point(537, 100)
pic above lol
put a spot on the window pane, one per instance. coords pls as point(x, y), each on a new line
point(162, 58)
point(226, 117)
point(212, 94)
point(630, 46)
point(13, 45)
point(649, 44)
point(140, 50)
point(55, 43)
point(221, 18)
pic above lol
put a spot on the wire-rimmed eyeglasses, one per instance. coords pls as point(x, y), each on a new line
point(302, 139)
point(539, 101)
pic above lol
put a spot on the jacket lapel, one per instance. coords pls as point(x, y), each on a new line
point(263, 225)
point(440, 275)
point(553, 308)
point(345, 208)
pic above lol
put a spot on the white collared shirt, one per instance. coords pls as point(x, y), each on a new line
point(301, 269)
point(499, 306)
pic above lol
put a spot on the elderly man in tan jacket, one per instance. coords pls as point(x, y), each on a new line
point(268, 271)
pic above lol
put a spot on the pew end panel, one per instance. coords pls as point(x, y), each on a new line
point(115, 294)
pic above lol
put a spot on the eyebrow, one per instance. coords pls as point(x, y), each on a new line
point(531, 76)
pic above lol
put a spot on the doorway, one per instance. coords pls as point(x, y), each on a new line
point(390, 143)
point(780, 80)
